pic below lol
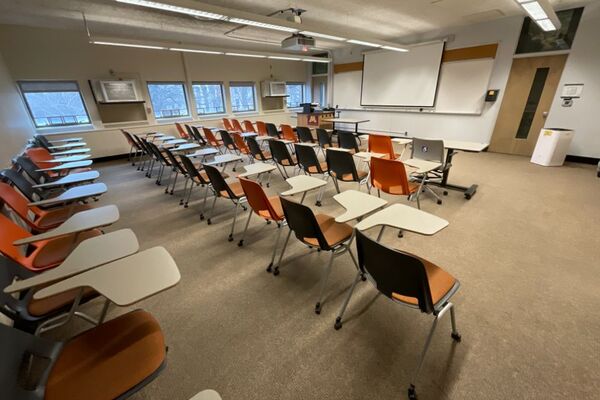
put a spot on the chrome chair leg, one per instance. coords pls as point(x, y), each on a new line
point(338, 320)
point(237, 205)
point(324, 279)
point(210, 212)
point(182, 200)
point(204, 203)
point(287, 239)
point(241, 242)
point(279, 230)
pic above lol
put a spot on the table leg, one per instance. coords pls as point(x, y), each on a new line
point(468, 191)
point(303, 197)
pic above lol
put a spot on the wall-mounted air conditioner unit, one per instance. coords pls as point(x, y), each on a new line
point(273, 89)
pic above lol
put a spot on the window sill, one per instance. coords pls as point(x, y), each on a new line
point(61, 130)
point(171, 120)
point(246, 113)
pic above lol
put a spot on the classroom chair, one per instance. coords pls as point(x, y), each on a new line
point(304, 134)
point(347, 140)
point(257, 152)
point(198, 177)
point(228, 142)
point(248, 127)
point(133, 146)
point(389, 176)
point(25, 187)
point(182, 133)
point(288, 133)
point(241, 146)
point(227, 125)
point(42, 142)
point(237, 127)
point(340, 164)
point(431, 150)
point(320, 231)
point(197, 136)
point(282, 156)
point(266, 207)
point(40, 157)
point(310, 164)
point(261, 128)
point(178, 169)
point(212, 139)
point(324, 139)
point(382, 144)
point(228, 190)
point(164, 162)
point(272, 131)
point(409, 280)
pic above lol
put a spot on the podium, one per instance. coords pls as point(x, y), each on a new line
point(314, 119)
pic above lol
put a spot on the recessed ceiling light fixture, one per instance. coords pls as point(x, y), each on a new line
point(394, 48)
point(172, 8)
point(243, 21)
point(323, 36)
point(196, 51)
point(284, 58)
point(362, 43)
point(542, 13)
point(141, 46)
point(245, 55)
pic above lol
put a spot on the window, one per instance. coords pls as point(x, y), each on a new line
point(243, 96)
point(295, 92)
point(209, 97)
point(168, 99)
point(54, 103)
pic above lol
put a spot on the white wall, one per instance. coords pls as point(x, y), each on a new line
point(583, 66)
point(15, 125)
point(36, 53)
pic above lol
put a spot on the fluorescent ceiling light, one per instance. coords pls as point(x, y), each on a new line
point(245, 55)
point(172, 8)
point(196, 51)
point(363, 43)
point(324, 60)
point(262, 25)
point(546, 25)
point(141, 46)
point(534, 10)
point(284, 58)
point(323, 36)
point(394, 48)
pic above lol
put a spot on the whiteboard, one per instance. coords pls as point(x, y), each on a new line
point(463, 86)
point(461, 89)
point(402, 79)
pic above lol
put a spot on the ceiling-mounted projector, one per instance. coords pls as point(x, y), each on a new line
point(298, 42)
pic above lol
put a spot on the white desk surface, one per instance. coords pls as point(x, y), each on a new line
point(207, 151)
point(308, 144)
point(248, 134)
point(74, 193)
point(69, 158)
point(257, 168)
point(164, 138)
point(422, 166)
point(207, 395)
point(302, 183)
point(402, 141)
point(69, 165)
point(263, 137)
point(345, 120)
point(223, 159)
point(286, 141)
point(154, 134)
point(90, 253)
point(68, 145)
point(174, 141)
point(186, 147)
point(72, 151)
point(476, 147)
point(357, 204)
point(79, 222)
point(70, 179)
point(406, 218)
point(125, 281)
point(366, 156)
point(67, 140)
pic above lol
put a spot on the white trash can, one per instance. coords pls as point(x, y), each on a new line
point(552, 146)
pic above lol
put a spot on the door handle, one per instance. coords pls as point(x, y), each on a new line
point(545, 114)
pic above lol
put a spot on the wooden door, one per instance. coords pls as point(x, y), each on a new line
point(529, 93)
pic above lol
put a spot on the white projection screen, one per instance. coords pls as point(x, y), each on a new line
point(402, 79)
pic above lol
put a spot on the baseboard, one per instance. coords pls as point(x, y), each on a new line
point(583, 160)
point(111, 158)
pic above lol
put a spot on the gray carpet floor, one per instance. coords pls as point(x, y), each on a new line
point(525, 249)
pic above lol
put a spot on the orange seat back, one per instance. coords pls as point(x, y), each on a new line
point(39, 156)
point(288, 133)
point(17, 202)
point(382, 144)
point(210, 137)
point(237, 127)
point(261, 127)
point(182, 133)
point(248, 127)
point(257, 199)
point(386, 174)
point(10, 233)
point(227, 125)
point(239, 143)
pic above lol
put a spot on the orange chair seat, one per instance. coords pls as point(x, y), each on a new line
point(50, 253)
point(287, 163)
point(266, 154)
point(334, 232)
point(276, 205)
point(107, 361)
point(440, 283)
point(313, 170)
point(350, 178)
point(236, 188)
point(397, 189)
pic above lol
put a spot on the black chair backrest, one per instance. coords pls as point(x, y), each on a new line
point(143, 144)
point(22, 184)
point(304, 134)
point(188, 129)
point(218, 182)
point(302, 222)
point(272, 130)
point(158, 154)
point(198, 136)
point(394, 271)
point(25, 164)
point(347, 140)
point(11, 306)
point(17, 348)
point(280, 152)
point(255, 149)
point(341, 163)
point(227, 140)
point(323, 137)
point(174, 161)
point(41, 141)
point(132, 140)
point(191, 168)
point(307, 158)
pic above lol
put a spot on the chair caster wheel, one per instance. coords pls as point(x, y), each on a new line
point(166, 191)
point(439, 202)
point(445, 193)
point(338, 324)
point(269, 222)
point(230, 238)
point(456, 336)
point(180, 202)
point(318, 204)
point(208, 221)
point(468, 196)
point(201, 217)
point(318, 250)
point(363, 278)
point(270, 267)
point(412, 393)
point(400, 234)
point(185, 205)
point(171, 193)
point(276, 271)
point(318, 308)
point(245, 208)
point(240, 243)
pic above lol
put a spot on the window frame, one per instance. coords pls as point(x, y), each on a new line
point(223, 101)
point(32, 117)
point(185, 97)
point(303, 86)
point(251, 84)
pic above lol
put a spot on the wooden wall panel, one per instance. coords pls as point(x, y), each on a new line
point(339, 68)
